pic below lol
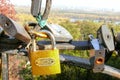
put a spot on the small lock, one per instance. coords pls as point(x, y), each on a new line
point(45, 62)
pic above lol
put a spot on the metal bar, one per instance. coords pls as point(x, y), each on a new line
point(8, 51)
point(86, 63)
point(4, 66)
point(75, 61)
point(73, 45)
point(65, 59)
point(111, 71)
point(36, 7)
point(47, 9)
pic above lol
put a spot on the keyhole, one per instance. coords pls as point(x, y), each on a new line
point(108, 36)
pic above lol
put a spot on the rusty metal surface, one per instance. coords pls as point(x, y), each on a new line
point(14, 63)
point(99, 60)
point(13, 29)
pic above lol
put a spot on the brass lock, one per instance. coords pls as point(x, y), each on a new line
point(45, 62)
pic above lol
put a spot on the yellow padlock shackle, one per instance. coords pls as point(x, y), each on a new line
point(51, 37)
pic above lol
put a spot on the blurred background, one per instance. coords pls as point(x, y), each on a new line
point(80, 18)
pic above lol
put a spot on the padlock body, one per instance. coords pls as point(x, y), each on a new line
point(45, 62)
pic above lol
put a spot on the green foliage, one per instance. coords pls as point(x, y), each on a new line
point(26, 73)
point(73, 28)
point(24, 18)
point(81, 29)
point(88, 27)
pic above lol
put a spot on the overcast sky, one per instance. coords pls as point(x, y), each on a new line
point(96, 4)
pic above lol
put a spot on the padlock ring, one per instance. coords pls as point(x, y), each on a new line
point(51, 37)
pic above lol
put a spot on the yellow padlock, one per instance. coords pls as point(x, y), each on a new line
point(45, 62)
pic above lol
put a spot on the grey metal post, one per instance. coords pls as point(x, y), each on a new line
point(4, 66)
